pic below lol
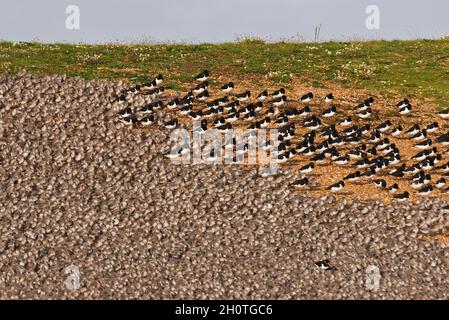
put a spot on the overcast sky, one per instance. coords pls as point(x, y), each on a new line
point(219, 20)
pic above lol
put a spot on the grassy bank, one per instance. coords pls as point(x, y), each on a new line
point(413, 68)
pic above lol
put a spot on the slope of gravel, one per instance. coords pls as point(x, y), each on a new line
point(78, 188)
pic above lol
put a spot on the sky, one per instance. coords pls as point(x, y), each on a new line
point(197, 21)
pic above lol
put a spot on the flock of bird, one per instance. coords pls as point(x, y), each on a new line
point(351, 141)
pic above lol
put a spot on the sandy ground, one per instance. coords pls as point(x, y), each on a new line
point(77, 188)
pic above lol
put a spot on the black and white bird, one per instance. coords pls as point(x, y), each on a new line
point(158, 79)
point(319, 158)
point(157, 92)
point(412, 169)
point(130, 120)
point(423, 145)
point(172, 104)
point(443, 139)
point(323, 264)
point(291, 113)
point(403, 103)
point(125, 112)
point(369, 102)
point(231, 106)
point(277, 102)
point(329, 98)
point(148, 120)
point(395, 159)
point(336, 186)
point(383, 144)
point(362, 107)
point(365, 129)
point(185, 110)
point(356, 154)
point(418, 182)
point(372, 150)
point(262, 96)
point(384, 126)
point(225, 127)
point(300, 183)
point(314, 124)
point(427, 164)
point(187, 99)
point(421, 155)
point(435, 159)
point(157, 105)
point(342, 160)
point(265, 122)
point(219, 121)
point(308, 151)
point(243, 96)
point(305, 112)
point(307, 168)
point(202, 126)
point(399, 172)
point(150, 85)
point(444, 114)
point(278, 93)
point(222, 101)
point(245, 110)
point(413, 130)
point(347, 121)
point(329, 112)
point(381, 183)
point(420, 135)
point(281, 119)
point(306, 98)
point(195, 115)
point(393, 188)
point(228, 87)
point(402, 196)
point(425, 190)
point(200, 88)
point(272, 111)
point(432, 127)
point(353, 176)
point(396, 131)
point(444, 167)
point(203, 96)
point(405, 110)
point(250, 116)
point(232, 117)
point(440, 183)
point(390, 149)
point(365, 113)
point(121, 98)
point(203, 76)
point(171, 124)
point(135, 89)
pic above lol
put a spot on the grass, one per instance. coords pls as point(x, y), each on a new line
point(418, 69)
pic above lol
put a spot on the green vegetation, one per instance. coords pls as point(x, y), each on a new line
point(416, 68)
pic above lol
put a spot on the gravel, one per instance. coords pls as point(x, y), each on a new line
point(77, 188)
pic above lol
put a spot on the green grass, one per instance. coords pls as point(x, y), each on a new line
point(396, 68)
